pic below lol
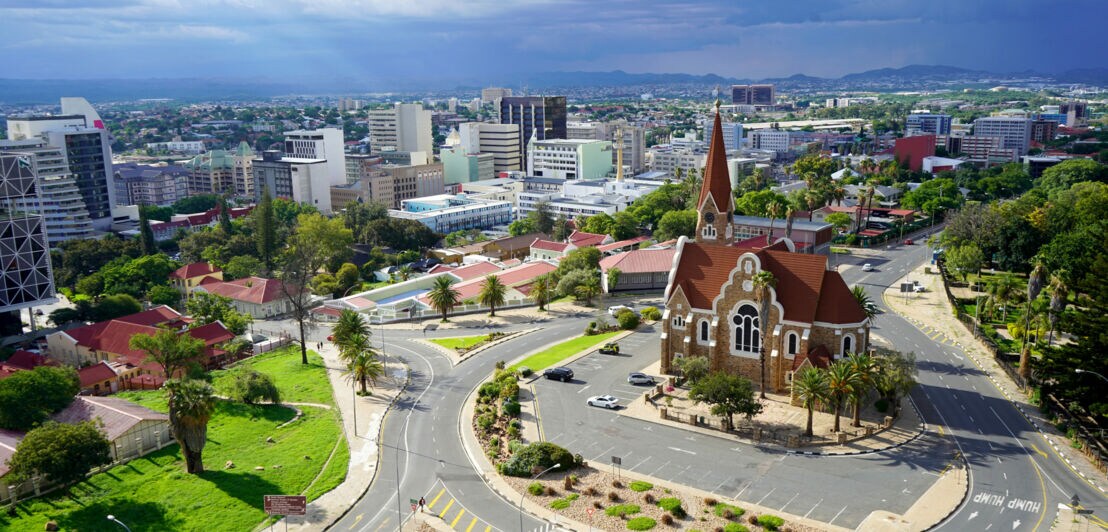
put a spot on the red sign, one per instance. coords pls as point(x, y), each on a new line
point(286, 504)
point(590, 512)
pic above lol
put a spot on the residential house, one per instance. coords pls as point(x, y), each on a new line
point(640, 269)
point(189, 276)
point(256, 296)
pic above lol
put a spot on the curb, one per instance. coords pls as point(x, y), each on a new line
point(961, 502)
point(453, 355)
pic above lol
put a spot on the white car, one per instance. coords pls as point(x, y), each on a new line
point(867, 267)
point(640, 378)
point(616, 309)
point(603, 401)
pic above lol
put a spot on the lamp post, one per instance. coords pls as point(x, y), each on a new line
point(118, 522)
point(1079, 370)
point(524, 494)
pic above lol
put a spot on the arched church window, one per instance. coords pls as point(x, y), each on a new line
point(747, 332)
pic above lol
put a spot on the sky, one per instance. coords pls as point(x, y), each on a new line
point(494, 41)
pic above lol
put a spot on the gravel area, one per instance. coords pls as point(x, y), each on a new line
point(593, 489)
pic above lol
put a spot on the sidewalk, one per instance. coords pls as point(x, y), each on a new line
point(364, 457)
point(931, 309)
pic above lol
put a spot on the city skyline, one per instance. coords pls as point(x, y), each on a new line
point(374, 40)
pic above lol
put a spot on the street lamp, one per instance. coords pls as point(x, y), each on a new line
point(524, 494)
point(1079, 370)
point(120, 523)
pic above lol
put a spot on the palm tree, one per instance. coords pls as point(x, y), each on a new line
point(864, 301)
point(365, 368)
point(354, 345)
point(773, 210)
point(191, 403)
point(841, 382)
point(492, 293)
point(763, 281)
point(838, 194)
point(540, 291)
point(405, 272)
point(443, 296)
point(348, 324)
point(1059, 299)
point(1034, 286)
point(810, 386)
point(1004, 291)
point(588, 289)
point(864, 367)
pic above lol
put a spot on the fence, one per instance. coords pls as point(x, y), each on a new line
point(1089, 443)
point(378, 316)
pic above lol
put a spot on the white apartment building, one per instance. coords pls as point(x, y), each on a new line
point(634, 139)
point(569, 159)
point(732, 134)
point(1014, 132)
point(62, 208)
point(668, 159)
point(446, 213)
point(190, 147)
point(770, 139)
point(325, 144)
point(501, 140)
point(404, 127)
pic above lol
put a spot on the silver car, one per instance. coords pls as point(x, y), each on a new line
point(640, 378)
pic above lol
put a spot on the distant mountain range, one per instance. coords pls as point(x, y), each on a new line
point(15, 91)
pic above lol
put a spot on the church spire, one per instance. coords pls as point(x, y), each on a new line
point(716, 204)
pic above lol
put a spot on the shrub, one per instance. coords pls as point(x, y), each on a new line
point(525, 371)
point(573, 479)
point(770, 522)
point(489, 390)
point(667, 519)
point(753, 519)
point(578, 459)
point(551, 491)
point(735, 527)
point(639, 485)
point(591, 491)
point(672, 505)
point(628, 320)
point(882, 405)
point(535, 489)
point(709, 501)
point(500, 364)
point(486, 421)
point(514, 445)
point(563, 503)
point(494, 442)
point(621, 510)
point(251, 386)
point(728, 511)
point(567, 484)
point(617, 484)
point(537, 455)
point(651, 314)
point(648, 498)
point(511, 408)
point(516, 424)
point(509, 389)
point(641, 523)
point(492, 453)
point(597, 505)
point(513, 432)
point(613, 496)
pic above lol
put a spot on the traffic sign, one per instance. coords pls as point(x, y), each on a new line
point(286, 504)
point(590, 511)
point(617, 460)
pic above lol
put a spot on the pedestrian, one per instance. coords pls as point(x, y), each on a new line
point(422, 502)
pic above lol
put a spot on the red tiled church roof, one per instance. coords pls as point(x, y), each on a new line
point(818, 356)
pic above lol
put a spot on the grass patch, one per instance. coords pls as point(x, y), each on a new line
point(563, 503)
point(622, 509)
point(299, 383)
point(721, 508)
point(460, 342)
point(641, 523)
point(558, 352)
point(840, 251)
point(770, 522)
point(639, 485)
point(672, 505)
point(155, 493)
point(735, 527)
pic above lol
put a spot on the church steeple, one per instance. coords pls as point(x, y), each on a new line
point(716, 205)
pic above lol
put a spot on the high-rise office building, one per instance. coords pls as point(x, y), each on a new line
point(301, 180)
point(326, 144)
point(928, 124)
point(62, 205)
point(403, 127)
point(501, 140)
point(1014, 132)
point(732, 134)
point(634, 139)
point(761, 95)
point(770, 139)
point(491, 94)
point(541, 117)
point(26, 279)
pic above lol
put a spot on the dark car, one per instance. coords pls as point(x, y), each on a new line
point(563, 374)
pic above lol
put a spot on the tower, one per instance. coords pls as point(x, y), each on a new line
point(619, 155)
point(716, 206)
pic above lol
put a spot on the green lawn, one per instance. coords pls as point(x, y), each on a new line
point(559, 352)
point(154, 493)
point(460, 342)
point(298, 383)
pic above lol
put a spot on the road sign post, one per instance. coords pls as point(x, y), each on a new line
point(617, 461)
point(285, 505)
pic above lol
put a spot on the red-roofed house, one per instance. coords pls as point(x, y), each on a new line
point(641, 269)
point(110, 340)
point(623, 245)
point(190, 276)
point(713, 307)
point(256, 296)
point(582, 239)
point(550, 250)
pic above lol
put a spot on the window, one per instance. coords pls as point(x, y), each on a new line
point(747, 332)
point(709, 231)
point(792, 342)
point(703, 336)
point(848, 344)
point(679, 321)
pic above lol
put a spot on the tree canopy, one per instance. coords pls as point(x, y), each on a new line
point(63, 453)
point(27, 398)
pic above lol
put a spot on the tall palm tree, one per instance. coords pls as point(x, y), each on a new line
point(349, 324)
point(1059, 299)
point(364, 368)
point(443, 296)
point(773, 210)
point(540, 291)
point(841, 381)
point(1004, 291)
point(864, 301)
point(810, 386)
point(763, 281)
point(838, 194)
point(354, 345)
point(191, 403)
point(492, 293)
point(588, 289)
point(1034, 286)
point(864, 367)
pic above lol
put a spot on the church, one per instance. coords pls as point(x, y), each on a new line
point(713, 305)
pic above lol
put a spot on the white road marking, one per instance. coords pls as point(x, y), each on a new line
point(681, 450)
point(837, 515)
point(765, 496)
point(585, 388)
point(644, 460)
point(813, 509)
point(655, 473)
point(742, 490)
point(782, 508)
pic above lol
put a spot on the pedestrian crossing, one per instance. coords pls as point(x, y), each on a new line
point(453, 514)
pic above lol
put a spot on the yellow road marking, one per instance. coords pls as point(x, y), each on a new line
point(436, 499)
point(356, 519)
point(1044, 455)
point(940, 427)
point(471, 523)
point(444, 510)
point(488, 529)
point(456, 518)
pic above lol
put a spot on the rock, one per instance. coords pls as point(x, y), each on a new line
point(51, 525)
point(278, 466)
point(229, 465)
point(306, 457)
point(270, 440)
point(259, 468)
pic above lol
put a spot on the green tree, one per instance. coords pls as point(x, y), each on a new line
point(365, 368)
point(839, 220)
point(443, 296)
point(349, 324)
point(265, 230)
point(347, 277)
point(810, 386)
point(163, 295)
point(588, 289)
point(674, 224)
point(1066, 173)
point(115, 306)
point(841, 383)
point(62, 453)
point(544, 219)
point(327, 237)
point(934, 196)
point(241, 267)
point(1004, 291)
point(205, 308)
point(763, 282)
point(587, 258)
point(864, 301)
point(27, 398)
point(541, 291)
point(864, 367)
point(522, 226)
point(225, 218)
point(357, 216)
point(965, 259)
point(174, 351)
point(251, 386)
point(613, 278)
point(493, 293)
point(146, 235)
point(728, 395)
point(191, 403)
point(693, 368)
point(194, 204)
point(895, 375)
point(135, 276)
point(758, 203)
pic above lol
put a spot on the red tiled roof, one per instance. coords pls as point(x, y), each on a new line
point(95, 374)
point(439, 268)
point(256, 290)
point(477, 269)
point(818, 356)
point(621, 244)
point(27, 360)
point(327, 311)
point(547, 245)
point(582, 239)
point(195, 269)
point(513, 277)
point(717, 178)
point(114, 336)
point(837, 303)
point(640, 261)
